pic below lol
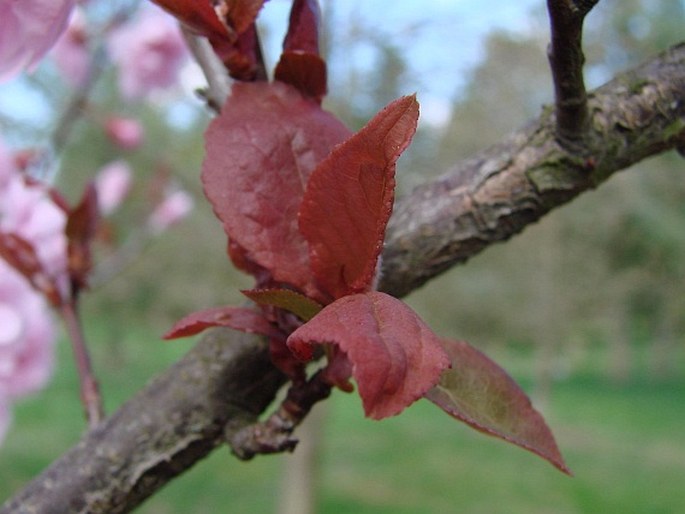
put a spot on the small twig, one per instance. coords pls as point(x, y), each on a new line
point(274, 435)
point(218, 81)
point(566, 60)
point(90, 392)
point(262, 74)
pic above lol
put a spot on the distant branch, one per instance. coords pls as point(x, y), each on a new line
point(566, 59)
point(227, 379)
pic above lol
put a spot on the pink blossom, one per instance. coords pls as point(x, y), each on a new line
point(28, 211)
point(28, 28)
point(126, 133)
point(7, 167)
point(70, 53)
point(171, 210)
point(149, 52)
point(27, 336)
point(112, 184)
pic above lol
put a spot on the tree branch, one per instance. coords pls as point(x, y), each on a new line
point(566, 60)
point(494, 195)
point(227, 379)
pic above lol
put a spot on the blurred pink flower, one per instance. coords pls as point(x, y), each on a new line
point(112, 184)
point(70, 53)
point(126, 133)
point(28, 28)
point(27, 336)
point(171, 210)
point(149, 52)
point(7, 166)
point(28, 211)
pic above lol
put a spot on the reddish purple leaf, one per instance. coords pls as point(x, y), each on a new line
point(480, 393)
point(305, 72)
point(198, 15)
point(237, 318)
point(234, 42)
point(395, 357)
point(82, 224)
point(301, 65)
point(303, 27)
point(21, 255)
point(349, 198)
point(302, 306)
point(241, 14)
point(260, 153)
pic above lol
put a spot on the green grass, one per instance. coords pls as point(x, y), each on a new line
point(626, 446)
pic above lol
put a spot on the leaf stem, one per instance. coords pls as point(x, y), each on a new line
point(90, 392)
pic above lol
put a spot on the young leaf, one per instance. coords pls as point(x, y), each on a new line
point(82, 224)
point(241, 14)
point(260, 153)
point(198, 16)
point(300, 64)
point(395, 357)
point(349, 198)
point(305, 72)
point(234, 42)
point(237, 318)
point(303, 27)
point(21, 255)
point(480, 393)
point(300, 305)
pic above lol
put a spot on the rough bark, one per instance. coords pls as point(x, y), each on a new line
point(220, 385)
point(497, 193)
point(227, 380)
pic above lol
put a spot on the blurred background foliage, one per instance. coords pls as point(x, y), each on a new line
point(586, 307)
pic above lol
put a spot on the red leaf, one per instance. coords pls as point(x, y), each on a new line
point(259, 154)
point(241, 14)
point(395, 357)
point(198, 15)
point(82, 224)
point(21, 255)
point(349, 199)
point(480, 393)
point(301, 65)
point(234, 42)
point(303, 307)
point(237, 318)
point(305, 72)
point(303, 27)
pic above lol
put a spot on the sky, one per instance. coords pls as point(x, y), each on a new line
point(446, 39)
point(443, 39)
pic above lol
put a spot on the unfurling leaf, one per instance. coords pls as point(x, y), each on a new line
point(349, 198)
point(232, 35)
point(260, 153)
point(241, 14)
point(21, 255)
point(301, 65)
point(82, 225)
point(303, 27)
point(305, 72)
point(303, 307)
point(237, 318)
point(197, 16)
point(395, 357)
point(480, 393)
